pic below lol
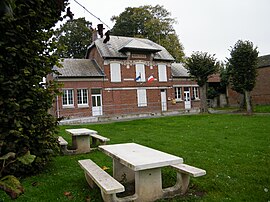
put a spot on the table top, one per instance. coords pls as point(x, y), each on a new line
point(81, 131)
point(138, 157)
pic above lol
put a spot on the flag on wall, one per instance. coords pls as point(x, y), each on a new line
point(138, 77)
point(150, 79)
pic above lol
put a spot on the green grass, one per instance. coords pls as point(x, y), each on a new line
point(233, 149)
point(262, 109)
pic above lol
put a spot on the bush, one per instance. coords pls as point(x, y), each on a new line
point(26, 48)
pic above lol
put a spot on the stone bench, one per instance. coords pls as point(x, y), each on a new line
point(184, 172)
point(63, 144)
point(97, 176)
point(102, 140)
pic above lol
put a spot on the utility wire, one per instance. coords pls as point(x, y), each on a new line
point(92, 14)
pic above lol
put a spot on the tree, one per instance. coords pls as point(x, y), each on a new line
point(243, 69)
point(201, 66)
point(75, 35)
point(149, 22)
point(26, 47)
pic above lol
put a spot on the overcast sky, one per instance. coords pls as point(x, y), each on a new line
point(212, 26)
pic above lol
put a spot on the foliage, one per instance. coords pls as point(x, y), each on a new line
point(25, 58)
point(243, 66)
point(212, 93)
point(243, 69)
point(75, 35)
point(201, 66)
point(10, 184)
point(224, 75)
point(149, 22)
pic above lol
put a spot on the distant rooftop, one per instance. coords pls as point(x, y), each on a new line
point(264, 61)
point(178, 70)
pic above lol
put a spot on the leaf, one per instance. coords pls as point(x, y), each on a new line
point(105, 168)
point(8, 155)
point(68, 195)
point(27, 158)
point(12, 186)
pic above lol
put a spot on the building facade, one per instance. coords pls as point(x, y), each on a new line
point(124, 76)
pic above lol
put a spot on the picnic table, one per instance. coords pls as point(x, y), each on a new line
point(141, 164)
point(81, 139)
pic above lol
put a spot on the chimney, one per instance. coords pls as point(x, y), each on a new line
point(94, 35)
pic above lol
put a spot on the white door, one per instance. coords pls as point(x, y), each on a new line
point(163, 100)
point(187, 98)
point(96, 102)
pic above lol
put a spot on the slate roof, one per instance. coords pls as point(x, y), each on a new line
point(117, 46)
point(264, 61)
point(178, 70)
point(82, 68)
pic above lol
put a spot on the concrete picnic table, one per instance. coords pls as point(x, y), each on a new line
point(81, 139)
point(141, 164)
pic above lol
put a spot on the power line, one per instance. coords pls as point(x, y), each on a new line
point(92, 14)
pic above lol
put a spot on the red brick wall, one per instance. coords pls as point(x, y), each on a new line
point(260, 95)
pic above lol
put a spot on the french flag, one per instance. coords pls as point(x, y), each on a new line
point(150, 79)
point(138, 77)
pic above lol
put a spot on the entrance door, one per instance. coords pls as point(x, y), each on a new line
point(187, 98)
point(96, 102)
point(163, 100)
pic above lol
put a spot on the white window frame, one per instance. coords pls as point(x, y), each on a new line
point(69, 101)
point(178, 93)
point(140, 71)
point(141, 97)
point(115, 70)
point(195, 92)
point(162, 73)
point(80, 96)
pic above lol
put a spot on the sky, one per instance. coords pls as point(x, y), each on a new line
point(212, 26)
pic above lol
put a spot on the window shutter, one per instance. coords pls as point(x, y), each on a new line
point(140, 71)
point(115, 72)
point(141, 96)
point(162, 73)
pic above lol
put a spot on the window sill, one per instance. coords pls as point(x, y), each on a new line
point(68, 107)
point(179, 100)
point(83, 106)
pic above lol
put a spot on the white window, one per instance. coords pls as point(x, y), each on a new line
point(82, 96)
point(162, 73)
point(141, 96)
point(115, 72)
point(178, 93)
point(196, 93)
point(67, 98)
point(140, 73)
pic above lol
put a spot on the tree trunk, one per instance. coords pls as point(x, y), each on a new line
point(248, 102)
point(203, 95)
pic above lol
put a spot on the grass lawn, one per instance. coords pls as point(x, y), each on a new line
point(262, 109)
point(233, 149)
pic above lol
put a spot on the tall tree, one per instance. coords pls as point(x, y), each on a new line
point(150, 22)
point(25, 58)
point(201, 66)
point(243, 69)
point(75, 35)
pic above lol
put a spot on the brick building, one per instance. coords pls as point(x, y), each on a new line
point(260, 95)
point(124, 76)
